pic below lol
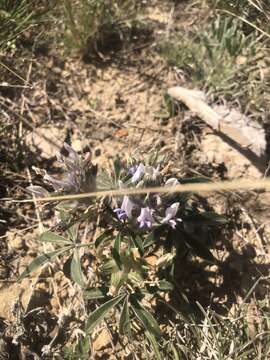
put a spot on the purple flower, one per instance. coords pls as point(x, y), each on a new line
point(126, 209)
point(80, 174)
point(139, 171)
point(138, 174)
point(146, 217)
point(171, 212)
point(132, 170)
point(120, 214)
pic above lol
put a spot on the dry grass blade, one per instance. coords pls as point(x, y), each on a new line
point(203, 187)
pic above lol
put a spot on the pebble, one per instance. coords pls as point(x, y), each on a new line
point(102, 340)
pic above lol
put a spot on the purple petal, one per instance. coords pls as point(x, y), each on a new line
point(127, 206)
point(138, 173)
point(120, 214)
point(171, 212)
point(152, 172)
point(132, 170)
point(146, 217)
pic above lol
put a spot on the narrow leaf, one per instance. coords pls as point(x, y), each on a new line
point(165, 285)
point(117, 242)
point(146, 318)
point(99, 314)
point(103, 237)
point(200, 249)
point(149, 240)
point(51, 237)
point(124, 321)
point(109, 266)
point(117, 280)
point(196, 180)
point(76, 269)
point(154, 345)
point(73, 232)
point(41, 260)
point(136, 242)
point(117, 258)
point(96, 293)
point(211, 216)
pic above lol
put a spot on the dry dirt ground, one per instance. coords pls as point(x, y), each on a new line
point(112, 109)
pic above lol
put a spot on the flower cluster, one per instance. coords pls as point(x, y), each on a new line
point(152, 209)
point(79, 177)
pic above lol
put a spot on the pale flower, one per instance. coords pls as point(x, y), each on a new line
point(146, 217)
point(126, 209)
point(171, 212)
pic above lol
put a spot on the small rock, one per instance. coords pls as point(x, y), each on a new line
point(15, 241)
point(103, 339)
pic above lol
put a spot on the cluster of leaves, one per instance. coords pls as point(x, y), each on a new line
point(120, 275)
point(254, 11)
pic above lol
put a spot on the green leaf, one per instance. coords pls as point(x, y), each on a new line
point(103, 237)
point(41, 260)
point(165, 285)
point(200, 249)
point(195, 180)
point(99, 314)
point(176, 355)
point(96, 293)
point(154, 345)
point(117, 242)
point(76, 269)
point(146, 318)
point(149, 240)
point(51, 237)
point(214, 217)
point(139, 244)
point(73, 232)
point(136, 241)
point(117, 258)
point(109, 267)
point(124, 321)
point(117, 280)
point(135, 277)
point(117, 167)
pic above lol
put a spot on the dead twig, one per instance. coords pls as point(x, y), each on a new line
point(246, 139)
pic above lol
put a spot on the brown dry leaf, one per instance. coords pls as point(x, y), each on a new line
point(151, 260)
point(121, 133)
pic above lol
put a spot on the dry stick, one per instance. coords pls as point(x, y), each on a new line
point(41, 230)
point(231, 135)
point(199, 187)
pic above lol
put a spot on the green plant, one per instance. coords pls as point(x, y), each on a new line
point(96, 26)
point(132, 228)
point(222, 59)
point(17, 17)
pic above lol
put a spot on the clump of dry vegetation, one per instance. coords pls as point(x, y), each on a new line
point(134, 276)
